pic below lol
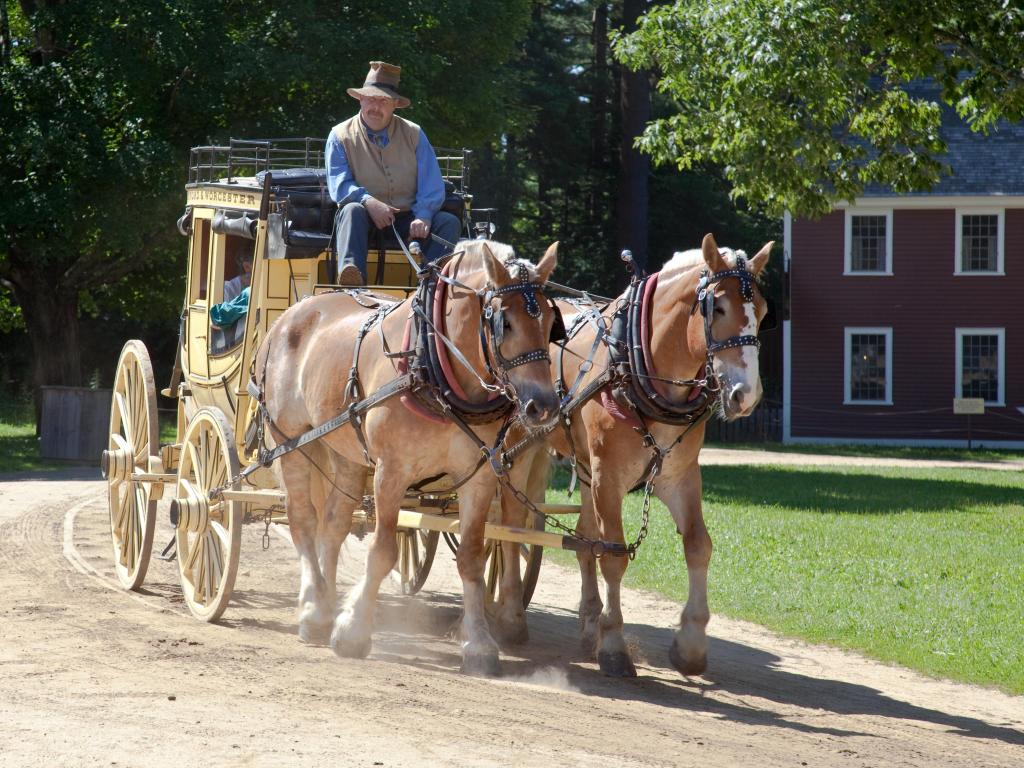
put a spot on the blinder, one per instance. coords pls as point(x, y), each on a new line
point(495, 318)
point(705, 299)
point(558, 332)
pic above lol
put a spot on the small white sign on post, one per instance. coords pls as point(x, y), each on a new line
point(969, 406)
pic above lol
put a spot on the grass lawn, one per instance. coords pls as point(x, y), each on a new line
point(882, 451)
point(921, 567)
point(19, 447)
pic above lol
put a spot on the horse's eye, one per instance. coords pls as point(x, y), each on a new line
point(719, 311)
point(505, 324)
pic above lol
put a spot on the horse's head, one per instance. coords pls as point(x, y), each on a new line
point(517, 326)
point(731, 308)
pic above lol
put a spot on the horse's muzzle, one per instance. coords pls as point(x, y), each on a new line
point(539, 411)
point(739, 400)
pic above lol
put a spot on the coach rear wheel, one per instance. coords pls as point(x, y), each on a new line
point(133, 440)
point(416, 549)
point(208, 531)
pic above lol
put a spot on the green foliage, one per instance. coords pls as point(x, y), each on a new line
point(100, 102)
point(801, 102)
point(921, 567)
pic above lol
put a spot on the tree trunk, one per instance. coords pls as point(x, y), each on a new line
point(51, 319)
point(599, 110)
point(5, 36)
point(635, 107)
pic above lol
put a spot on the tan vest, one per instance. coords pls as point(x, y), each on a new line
point(388, 174)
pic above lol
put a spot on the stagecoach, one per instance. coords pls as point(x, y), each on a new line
point(267, 199)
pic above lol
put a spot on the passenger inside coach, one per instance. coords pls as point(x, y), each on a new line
point(227, 318)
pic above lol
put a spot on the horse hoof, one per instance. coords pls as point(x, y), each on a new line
point(350, 647)
point(616, 664)
point(481, 665)
point(315, 634)
point(685, 667)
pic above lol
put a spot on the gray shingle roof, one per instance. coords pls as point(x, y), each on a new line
point(991, 164)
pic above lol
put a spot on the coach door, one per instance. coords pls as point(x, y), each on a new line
point(199, 298)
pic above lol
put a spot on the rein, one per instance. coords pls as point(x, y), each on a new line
point(629, 373)
point(426, 378)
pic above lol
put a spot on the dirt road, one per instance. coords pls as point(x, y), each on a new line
point(90, 675)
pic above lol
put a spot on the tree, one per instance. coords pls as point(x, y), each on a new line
point(801, 101)
point(101, 99)
point(635, 105)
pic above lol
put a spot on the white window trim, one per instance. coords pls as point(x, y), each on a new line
point(848, 241)
point(1000, 214)
point(959, 376)
point(848, 333)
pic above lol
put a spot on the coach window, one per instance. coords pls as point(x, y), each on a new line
point(200, 258)
point(979, 242)
point(981, 364)
point(868, 242)
point(868, 366)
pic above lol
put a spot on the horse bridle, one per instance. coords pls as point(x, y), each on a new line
point(495, 320)
point(705, 299)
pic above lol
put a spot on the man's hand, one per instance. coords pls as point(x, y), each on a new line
point(419, 229)
point(381, 213)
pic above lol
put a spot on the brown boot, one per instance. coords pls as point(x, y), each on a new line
point(350, 276)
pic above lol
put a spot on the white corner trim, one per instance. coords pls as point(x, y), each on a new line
point(787, 379)
point(948, 202)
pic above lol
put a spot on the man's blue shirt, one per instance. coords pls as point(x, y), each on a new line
point(345, 189)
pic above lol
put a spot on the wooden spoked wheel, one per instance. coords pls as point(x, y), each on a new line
point(208, 532)
point(416, 549)
point(530, 556)
point(134, 438)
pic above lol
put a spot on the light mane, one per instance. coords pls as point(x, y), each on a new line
point(472, 256)
point(683, 260)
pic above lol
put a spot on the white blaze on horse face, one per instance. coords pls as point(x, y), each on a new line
point(741, 382)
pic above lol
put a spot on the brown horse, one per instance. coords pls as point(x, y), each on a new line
point(492, 312)
point(607, 435)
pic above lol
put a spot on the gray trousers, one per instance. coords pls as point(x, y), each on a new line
point(352, 233)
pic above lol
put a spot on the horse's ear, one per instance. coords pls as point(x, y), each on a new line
point(496, 272)
point(761, 257)
point(713, 258)
point(548, 262)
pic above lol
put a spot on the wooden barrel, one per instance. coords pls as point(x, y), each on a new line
point(75, 423)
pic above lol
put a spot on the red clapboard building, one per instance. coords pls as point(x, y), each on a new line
point(900, 304)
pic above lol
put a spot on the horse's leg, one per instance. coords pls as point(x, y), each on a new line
point(316, 598)
point(353, 629)
point(612, 652)
point(689, 650)
point(510, 618)
point(590, 594)
point(336, 521)
point(530, 475)
point(479, 651)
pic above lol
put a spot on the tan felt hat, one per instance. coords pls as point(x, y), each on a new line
point(381, 81)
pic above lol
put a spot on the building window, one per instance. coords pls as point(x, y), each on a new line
point(868, 366)
point(980, 363)
point(979, 242)
point(868, 242)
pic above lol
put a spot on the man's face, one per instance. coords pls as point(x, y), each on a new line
point(246, 271)
point(376, 111)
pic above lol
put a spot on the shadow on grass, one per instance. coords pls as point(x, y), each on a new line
point(825, 490)
point(20, 453)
